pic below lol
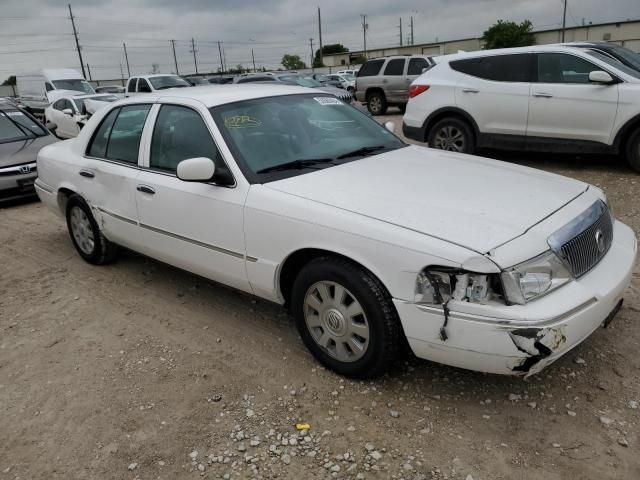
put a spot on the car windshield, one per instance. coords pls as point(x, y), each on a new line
point(15, 125)
point(278, 137)
point(76, 85)
point(168, 81)
point(302, 81)
point(629, 56)
point(614, 63)
point(100, 98)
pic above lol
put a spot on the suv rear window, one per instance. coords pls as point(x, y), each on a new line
point(500, 68)
point(371, 68)
point(395, 67)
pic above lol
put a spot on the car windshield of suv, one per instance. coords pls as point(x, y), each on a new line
point(169, 81)
point(15, 125)
point(279, 137)
point(302, 81)
point(76, 85)
point(614, 63)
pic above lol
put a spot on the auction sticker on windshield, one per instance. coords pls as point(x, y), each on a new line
point(328, 101)
point(241, 121)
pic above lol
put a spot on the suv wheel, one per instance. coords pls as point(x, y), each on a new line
point(633, 150)
point(346, 317)
point(451, 134)
point(377, 103)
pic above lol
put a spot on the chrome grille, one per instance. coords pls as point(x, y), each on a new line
point(585, 240)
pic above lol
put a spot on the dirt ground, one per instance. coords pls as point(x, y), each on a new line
point(139, 370)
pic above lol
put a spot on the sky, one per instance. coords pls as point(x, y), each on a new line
point(37, 34)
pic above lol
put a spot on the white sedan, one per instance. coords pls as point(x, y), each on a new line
point(291, 195)
point(70, 112)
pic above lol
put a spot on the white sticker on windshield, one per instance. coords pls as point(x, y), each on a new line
point(14, 114)
point(328, 101)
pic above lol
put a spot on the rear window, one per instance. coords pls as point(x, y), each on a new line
point(499, 68)
point(371, 68)
point(416, 65)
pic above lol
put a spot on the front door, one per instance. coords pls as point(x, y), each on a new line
point(564, 104)
point(197, 226)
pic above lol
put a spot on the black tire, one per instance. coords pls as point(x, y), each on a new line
point(632, 150)
point(386, 338)
point(452, 134)
point(352, 91)
point(403, 108)
point(102, 251)
point(377, 103)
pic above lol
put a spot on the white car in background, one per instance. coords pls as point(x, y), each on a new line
point(348, 72)
point(347, 81)
point(70, 112)
point(153, 83)
point(292, 195)
point(543, 98)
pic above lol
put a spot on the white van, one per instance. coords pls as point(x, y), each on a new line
point(34, 87)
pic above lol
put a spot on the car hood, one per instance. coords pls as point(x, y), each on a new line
point(473, 202)
point(23, 151)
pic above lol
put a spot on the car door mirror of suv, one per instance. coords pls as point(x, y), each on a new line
point(199, 169)
point(68, 111)
point(600, 76)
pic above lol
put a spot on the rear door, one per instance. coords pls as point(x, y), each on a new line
point(495, 92)
point(565, 104)
point(394, 80)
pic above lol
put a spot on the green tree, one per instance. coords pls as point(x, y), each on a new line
point(10, 81)
point(292, 62)
point(508, 34)
point(330, 49)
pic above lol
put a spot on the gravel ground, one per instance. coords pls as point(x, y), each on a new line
point(139, 370)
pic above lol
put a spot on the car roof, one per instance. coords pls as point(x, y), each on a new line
point(154, 75)
point(214, 95)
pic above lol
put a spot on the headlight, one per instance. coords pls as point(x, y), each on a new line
point(534, 278)
point(437, 285)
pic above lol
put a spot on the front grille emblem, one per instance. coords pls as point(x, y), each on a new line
point(600, 241)
point(25, 169)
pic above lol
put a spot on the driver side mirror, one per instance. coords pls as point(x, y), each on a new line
point(68, 111)
point(199, 169)
point(52, 127)
point(600, 76)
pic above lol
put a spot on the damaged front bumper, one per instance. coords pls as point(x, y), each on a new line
point(524, 339)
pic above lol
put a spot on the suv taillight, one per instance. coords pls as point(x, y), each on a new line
point(415, 90)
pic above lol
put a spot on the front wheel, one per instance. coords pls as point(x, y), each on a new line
point(451, 134)
point(85, 234)
point(346, 317)
point(633, 150)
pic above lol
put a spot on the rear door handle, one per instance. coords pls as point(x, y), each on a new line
point(87, 173)
point(145, 189)
point(470, 90)
point(542, 95)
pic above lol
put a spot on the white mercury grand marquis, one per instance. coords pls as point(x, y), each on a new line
point(291, 195)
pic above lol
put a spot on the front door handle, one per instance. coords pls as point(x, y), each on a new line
point(470, 90)
point(87, 173)
point(145, 189)
point(542, 95)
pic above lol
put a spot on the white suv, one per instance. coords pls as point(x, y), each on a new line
point(543, 98)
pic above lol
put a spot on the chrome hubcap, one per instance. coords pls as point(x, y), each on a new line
point(451, 139)
point(376, 104)
point(336, 321)
point(81, 230)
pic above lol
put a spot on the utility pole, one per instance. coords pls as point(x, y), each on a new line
point(253, 59)
point(311, 44)
point(320, 37)
point(221, 62)
point(365, 26)
point(122, 74)
point(193, 50)
point(411, 29)
point(89, 70)
point(75, 34)
point(175, 59)
point(126, 57)
point(564, 19)
point(400, 31)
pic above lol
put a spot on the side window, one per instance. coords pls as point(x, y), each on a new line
point(416, 65)
point(395, 67)
point(499, 68)
point(69, 105)
point(59, 105)
point(124, 140)
point(48, 86)
point(179, 134)
point(563, 68)
point(143, 86)
point(98, 147)
point(131, 87)
point(371, 68)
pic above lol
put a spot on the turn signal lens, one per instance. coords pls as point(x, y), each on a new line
point(415, 90)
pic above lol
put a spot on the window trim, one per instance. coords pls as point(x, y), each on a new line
point(102, 120)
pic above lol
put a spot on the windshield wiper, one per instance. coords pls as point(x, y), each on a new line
point(364, 152)
point(296, 165)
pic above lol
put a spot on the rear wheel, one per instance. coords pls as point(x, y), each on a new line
point(632, 152)
point(346, 317)
point(451, 134)
point(377, 103)
point(85, 234)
